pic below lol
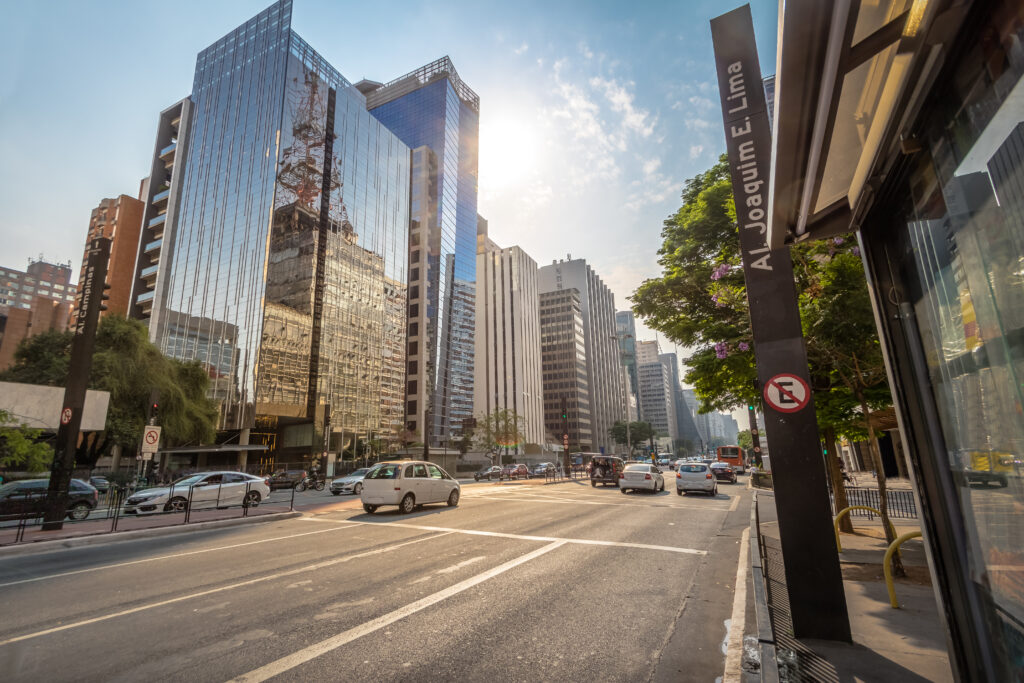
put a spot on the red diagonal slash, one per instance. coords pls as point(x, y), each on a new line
point(786, 392)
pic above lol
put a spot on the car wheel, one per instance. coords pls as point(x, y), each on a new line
point(679, 492)
point(453, 498)
point(358, 488)
point(1003, 483)
point(319, 486)
point(176, 504)
point(252, 499)
point(622, 489)
point(370, 509)
point(79, 511)
point(408, 504)
point(593, 484)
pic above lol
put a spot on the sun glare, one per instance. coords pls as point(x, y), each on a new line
point(509, 151)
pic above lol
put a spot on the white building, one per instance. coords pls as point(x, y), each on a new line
point(507, 371)
point(597, 305)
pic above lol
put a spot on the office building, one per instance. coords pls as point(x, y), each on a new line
point(657, 400)
point(625, 330)
point(567, 408)
point(597, 307)
point(119, 220)
point(37, 299)
point(275, 244)
point(437, 115)
point(700, 420)
point(686, 428)
point(647, 351)
point(508, 360)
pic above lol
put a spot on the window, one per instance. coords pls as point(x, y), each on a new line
point(408, 472)
point(420, 471)
point(435, 472)
point(414, 348)
point(384, 472)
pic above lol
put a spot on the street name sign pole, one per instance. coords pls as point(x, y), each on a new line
point(813, 577)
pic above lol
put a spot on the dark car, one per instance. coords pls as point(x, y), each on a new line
point(101, 484)
point(605, 469)
point(28, 497)
point(286, 479)
point(723, 471)
point(488, 473)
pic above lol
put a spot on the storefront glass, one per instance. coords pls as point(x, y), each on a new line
point(964, 267)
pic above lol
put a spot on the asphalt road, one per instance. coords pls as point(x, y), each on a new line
point(558, 582)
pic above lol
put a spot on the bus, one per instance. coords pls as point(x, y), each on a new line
point(732, 455)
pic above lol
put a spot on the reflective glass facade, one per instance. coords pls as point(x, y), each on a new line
point(289, 278)
point(433, 109)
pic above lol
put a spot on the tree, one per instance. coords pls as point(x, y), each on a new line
point(638, 433)
point(20, 446)
point(502, 428)
point(128, 366)
point(744, 439)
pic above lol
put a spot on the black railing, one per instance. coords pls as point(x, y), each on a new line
point(901, 502)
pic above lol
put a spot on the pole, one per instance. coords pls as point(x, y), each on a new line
point(89, 306)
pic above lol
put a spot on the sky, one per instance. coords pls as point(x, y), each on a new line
point(592, 113)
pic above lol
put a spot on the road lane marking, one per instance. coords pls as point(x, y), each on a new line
point(555, 501)
point(734, 653)
point(240, 584)
point(323, 647)
point(169, 557)
point(548, 539)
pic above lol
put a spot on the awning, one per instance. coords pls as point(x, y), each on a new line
point(217, 448)
point(849, 76)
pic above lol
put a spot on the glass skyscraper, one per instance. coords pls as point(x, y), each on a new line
point(288, 279)
point(437, 115)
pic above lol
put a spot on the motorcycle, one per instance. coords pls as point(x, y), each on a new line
point(310, 483)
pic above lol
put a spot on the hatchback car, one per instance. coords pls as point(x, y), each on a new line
point(408, 484)
point(488, 473)
point(723, 472)
point(641, 477)
point(204, 490)
point(350, 483)
point(28, 498)
point(286, 479)
point(695, 476)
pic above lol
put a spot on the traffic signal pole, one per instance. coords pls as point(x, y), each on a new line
point(90, 304)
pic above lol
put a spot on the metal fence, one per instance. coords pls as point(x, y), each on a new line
point(901, 502)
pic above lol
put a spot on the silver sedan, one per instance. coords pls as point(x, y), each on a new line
point(350, 483)
point(641, 476)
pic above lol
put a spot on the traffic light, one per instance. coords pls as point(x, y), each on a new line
point(104, 296)
point(153, 408)
point(751, 407)
point(565, 410)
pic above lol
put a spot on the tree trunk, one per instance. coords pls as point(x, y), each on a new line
point(838, 487)
point(883, 503)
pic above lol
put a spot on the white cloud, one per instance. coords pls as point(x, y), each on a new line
point(621, 99)
point(702, 103)
point(698, 124)
point(521, 49)
point(651, 165)
point(696, 150)
point(585, 51)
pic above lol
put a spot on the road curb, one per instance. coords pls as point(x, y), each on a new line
point(124, 536)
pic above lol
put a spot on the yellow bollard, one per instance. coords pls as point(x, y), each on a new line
point(887, 564)
point(845, 511)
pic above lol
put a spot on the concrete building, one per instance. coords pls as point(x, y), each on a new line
point(507, 367)
point(647, 352)
point(700, 420)
point(32, 301)
point(597, 307)
point(567, 406)
point(119, 220)
point(686, 428)
point(657, 400)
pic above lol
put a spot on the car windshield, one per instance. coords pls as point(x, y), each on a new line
point(638, 468)
point(360, 472)
point(692, 468)
point(385, 472)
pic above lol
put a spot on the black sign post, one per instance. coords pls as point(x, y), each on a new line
point(89, 306)
point(816, 598)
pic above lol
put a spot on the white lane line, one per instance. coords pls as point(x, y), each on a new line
point(323, 647)
point(555, 501)
point(734, 652)
point(170, 557)
point(240, 584)
point(735, 504)
point(549, 539)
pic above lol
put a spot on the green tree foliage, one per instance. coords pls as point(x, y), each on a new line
point(744, 439)
point(502, 428)
point(20, 447)
point(127, 365)
point(638, 432)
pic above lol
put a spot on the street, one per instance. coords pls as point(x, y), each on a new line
point(529, 582)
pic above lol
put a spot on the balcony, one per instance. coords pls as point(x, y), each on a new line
point(153, 246)
point(161, 197)
point(157, 220)
point(145, 296)
point(149, 272)
point(168, 151)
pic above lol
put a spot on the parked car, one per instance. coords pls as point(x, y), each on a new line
point(723, 472)
point(542, 469)
point(286, 479)
point(515, 471)
point(605, 469)
point(640, 476)
point(350, 483)
point(488, 473)
point(204, 490)
point(101, 484)
point(28, 497)
point(695, 476)
point(408, 484)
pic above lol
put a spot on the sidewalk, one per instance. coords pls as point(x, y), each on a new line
point(905, 645)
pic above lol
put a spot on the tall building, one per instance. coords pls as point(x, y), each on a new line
point(119, 220)
point(279, 224)
point(648, 351)
point(625, 330)
point(565, 376)
point(508, 339)
point(597, 307)
point(35, 300)
point(657, 400)
point(437, 115)
point(686, 428)
point(700, 420)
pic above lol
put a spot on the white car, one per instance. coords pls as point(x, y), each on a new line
point(695, 476)
point(350, 483)
point(641, 476)
point(204, 490)
point(407, 484)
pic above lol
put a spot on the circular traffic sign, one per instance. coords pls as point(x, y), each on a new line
point(787, 393)
point(65, 416)
point(757, 449)
point(152, 436)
